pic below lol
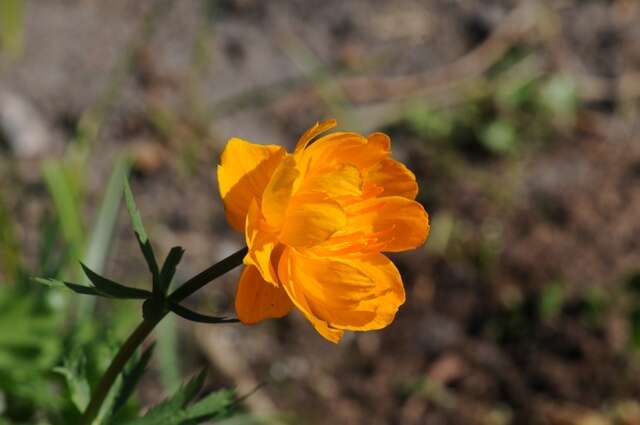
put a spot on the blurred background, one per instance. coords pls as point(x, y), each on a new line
point(519, 118)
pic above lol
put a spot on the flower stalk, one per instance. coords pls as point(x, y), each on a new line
point(115, 368)
point(151, 320)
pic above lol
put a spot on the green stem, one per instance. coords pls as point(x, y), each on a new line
point(213, 272)
point(144, 329)
point(117, 364)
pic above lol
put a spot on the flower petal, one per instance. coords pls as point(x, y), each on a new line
point(296, 295)
point(379, 141)
point(336, 294)
point(257, 300)
point(341, 147)
point(394, 178)
point(261, 242)
point(319, 127)
point(278, 192)
point(387, 224)
point(311, 219)
point(342, 180)
point(243, 173)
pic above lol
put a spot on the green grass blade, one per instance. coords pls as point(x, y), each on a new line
point(106, 219)
point(168, 358)
point(66, 202)
point(10, 262)
point(102, 232)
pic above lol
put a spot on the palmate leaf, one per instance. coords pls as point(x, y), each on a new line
point(141, 235)
point(180, 409)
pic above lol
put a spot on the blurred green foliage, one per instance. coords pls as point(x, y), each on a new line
point(12, 14)
point(182, 408)
point(51, 351)
point(552, 299)
point(515, 105)
point(41, 336)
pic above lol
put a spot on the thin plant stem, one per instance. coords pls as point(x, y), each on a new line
point(117, 364)
point(143, 330)
point(213, 272)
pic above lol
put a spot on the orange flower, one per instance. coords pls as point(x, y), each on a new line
point(316, 222)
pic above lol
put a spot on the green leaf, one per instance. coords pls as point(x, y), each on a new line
point(215, 404)
point(74, 372)
point(131, 377)
point(559, 96)
point(134, 213)
point(50, 282)
point(103, 225)
point(111, 288)
point(10, 260)
point(552, 300)
point(197, 317)
point(180, 409)
point(429, 123)
point(66, 199)
point(169, 267)
point(141, 235)
point(29, 341)
point(499, 137)
point(169, 411)
point(634, 322)
point(84, 290)
point(52, 258)
point(105, 220)
point(245, 419)
point(193, 387)
point(79, 289)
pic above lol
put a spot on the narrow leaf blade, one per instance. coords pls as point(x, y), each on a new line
point(173, 411)
point(131, 378)
point(217, 405)
point(112, 288)
point(84, 290)
point(134, 213)
point(79, 289)
point(197, 317)
point(169, 267)
point(105, 220)
point(193, 387)
point(141, 235)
